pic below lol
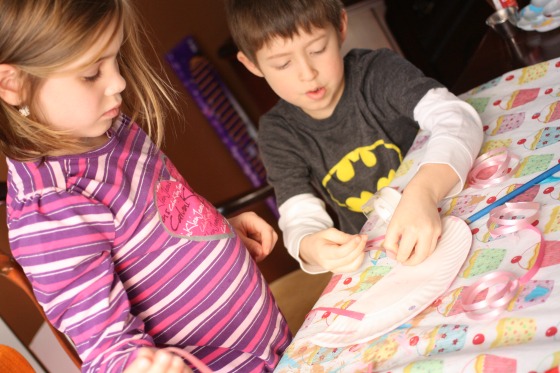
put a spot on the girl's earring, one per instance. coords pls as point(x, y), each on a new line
point(24, 111)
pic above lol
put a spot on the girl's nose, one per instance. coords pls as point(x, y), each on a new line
point(117, 84)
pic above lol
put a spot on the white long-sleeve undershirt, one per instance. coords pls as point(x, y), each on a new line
point(455, 140)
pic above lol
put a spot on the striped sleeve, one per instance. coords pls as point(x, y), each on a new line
point(63, 242)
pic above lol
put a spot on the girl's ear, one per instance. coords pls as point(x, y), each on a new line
point(10, 85)
point(249, 64)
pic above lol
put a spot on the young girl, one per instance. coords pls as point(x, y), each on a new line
point(123, 255)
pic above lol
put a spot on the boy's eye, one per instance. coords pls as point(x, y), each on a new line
point(94, 77)
point(284, 66)
point(319, 51)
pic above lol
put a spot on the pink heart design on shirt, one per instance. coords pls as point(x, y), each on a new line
point(185, 213)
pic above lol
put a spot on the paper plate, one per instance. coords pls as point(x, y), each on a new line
point(403, 293)
point(542, 18)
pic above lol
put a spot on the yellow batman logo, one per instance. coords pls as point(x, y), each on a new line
point(344, 171)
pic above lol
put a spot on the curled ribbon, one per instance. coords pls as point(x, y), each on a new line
point(490, 295)
point(492, 167)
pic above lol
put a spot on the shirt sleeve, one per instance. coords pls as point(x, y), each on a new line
point(63, 242)
point(456, 132)
point(286, 167)
point(300, 216)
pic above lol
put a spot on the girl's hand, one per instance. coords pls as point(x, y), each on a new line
point(257, 235)
point(149, 360)
point(333, 250)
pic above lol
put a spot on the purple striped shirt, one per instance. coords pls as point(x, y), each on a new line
point(122, 253)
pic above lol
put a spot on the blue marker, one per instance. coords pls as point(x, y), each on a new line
point(546, 176)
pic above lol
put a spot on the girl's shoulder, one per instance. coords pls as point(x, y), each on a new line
point(32, 185)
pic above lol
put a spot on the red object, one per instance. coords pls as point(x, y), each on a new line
point(499, 4)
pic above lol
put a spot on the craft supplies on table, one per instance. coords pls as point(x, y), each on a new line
point(520, 112)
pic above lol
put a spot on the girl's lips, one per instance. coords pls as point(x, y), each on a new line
point(113, 112)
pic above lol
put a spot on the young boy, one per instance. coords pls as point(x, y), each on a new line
point(341, 129)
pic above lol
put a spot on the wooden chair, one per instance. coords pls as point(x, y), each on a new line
point(12, 361)
point(14, 273)
point(10, 270)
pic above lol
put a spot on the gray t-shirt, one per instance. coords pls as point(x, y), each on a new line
point(350, 155)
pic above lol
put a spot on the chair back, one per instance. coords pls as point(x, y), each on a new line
point(14, 273)
point(12, 361)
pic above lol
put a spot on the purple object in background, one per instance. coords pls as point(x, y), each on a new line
point(220, 107)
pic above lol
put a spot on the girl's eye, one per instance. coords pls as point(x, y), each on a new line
point(94, 77)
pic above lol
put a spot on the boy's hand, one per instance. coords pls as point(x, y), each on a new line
point(257, 235)
point(333, 250)
point(151, 360)
point(414, 229)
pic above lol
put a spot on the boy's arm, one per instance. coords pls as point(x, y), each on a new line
point(311, 239)
point(456, 133)
point(456, 138)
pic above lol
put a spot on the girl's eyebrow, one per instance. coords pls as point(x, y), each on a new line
point(106, 56)
point(109, 55)
point(100, 59)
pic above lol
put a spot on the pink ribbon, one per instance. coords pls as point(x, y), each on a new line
point(375, 244)
point(339, 311)
point(490, 295)
point(492, 167)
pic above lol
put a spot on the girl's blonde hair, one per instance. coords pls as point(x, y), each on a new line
point(39, 37)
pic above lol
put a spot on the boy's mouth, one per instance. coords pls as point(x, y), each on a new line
point(316, 93)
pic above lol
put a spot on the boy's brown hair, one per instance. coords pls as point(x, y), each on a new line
point(254, 23)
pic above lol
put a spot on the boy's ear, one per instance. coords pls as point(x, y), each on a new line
point(249, 64)
point(10, 85)
point(343, 26)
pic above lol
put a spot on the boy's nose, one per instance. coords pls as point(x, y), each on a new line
point(307, 71)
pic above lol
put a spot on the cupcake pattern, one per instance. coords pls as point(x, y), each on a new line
point(521, 111)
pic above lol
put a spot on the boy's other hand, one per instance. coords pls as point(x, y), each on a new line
point(333, 250)
point(149, 360)
point(414, 229)
point(258, 236)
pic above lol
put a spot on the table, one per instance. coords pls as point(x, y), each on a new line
point(495, 56)
point(520, 111)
